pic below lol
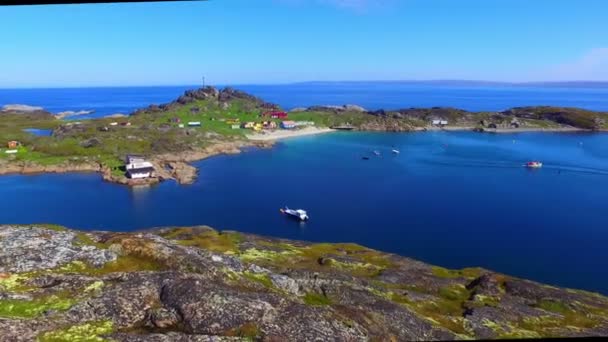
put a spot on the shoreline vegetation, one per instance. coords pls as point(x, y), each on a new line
point(185, 283)
point(206, 122)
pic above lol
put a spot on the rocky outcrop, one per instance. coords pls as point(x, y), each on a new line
point(71, 113)
point(197, 284)
point(20, 108)
point(22, 167)
point(221, 97)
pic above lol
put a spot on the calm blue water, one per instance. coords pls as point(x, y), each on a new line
point(40, 132)
point(106, 101)
point(454, 199)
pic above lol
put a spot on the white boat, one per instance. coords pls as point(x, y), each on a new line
point(377, 153)
point(297, 213)
point(534, 164)
point(395, 151)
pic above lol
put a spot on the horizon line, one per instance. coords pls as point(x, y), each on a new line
point(312, 81)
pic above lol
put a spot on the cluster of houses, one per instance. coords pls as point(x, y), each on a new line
point(439, 122)
point(179, 123)
point(266, 124)
point(126, 123)
point(271, 125)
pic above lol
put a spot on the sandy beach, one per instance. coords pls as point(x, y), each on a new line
point(284, 134)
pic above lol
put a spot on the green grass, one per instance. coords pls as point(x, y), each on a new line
point(468, 273)
point(261, 278)
point(315, 299)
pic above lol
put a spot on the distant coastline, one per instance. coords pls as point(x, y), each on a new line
point(474, 83)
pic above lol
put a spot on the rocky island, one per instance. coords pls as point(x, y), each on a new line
point(208, 121)
point(198, 284)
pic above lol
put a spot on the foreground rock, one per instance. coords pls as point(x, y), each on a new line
point(195, 284)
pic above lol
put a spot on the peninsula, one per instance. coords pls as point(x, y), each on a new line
point(198, 284)
point(208, 121)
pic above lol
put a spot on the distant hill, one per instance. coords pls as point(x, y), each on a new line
point(473, 83)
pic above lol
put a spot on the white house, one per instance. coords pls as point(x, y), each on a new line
point(194, 123)
point(438, 122)
point(137, 167)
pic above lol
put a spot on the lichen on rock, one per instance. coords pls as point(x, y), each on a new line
point(198, 284)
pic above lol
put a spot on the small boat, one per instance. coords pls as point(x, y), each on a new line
point(395, 151)
point(298, 213)
point(534, 164)
point(376, 152)
point(365, 158)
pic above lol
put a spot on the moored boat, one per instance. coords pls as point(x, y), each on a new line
point(396, 151)
point(299, 214)
point(534, 164)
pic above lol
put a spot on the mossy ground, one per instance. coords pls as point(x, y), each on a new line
point(23, 308)
point(88, 332)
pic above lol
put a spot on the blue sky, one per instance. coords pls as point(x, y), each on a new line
point(282, 41)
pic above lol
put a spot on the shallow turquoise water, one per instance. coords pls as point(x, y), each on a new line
point(454, 199)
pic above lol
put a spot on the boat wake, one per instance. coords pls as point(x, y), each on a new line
point(521, 165)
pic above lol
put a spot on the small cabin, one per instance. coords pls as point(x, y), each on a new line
point(175, 120)
point(194, 123)
point(248, 124)
point(236, 126)
point(137, 167)
point(113, 123)
point(13, 144)
point(439, 122)
point(288, 124)
point(144, 170)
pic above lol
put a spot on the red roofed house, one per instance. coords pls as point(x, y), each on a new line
point(276, 115)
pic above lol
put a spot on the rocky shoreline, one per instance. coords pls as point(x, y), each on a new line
point(197, 284)
point(173, 166)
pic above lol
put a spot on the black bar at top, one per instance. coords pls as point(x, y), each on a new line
point(58, 2)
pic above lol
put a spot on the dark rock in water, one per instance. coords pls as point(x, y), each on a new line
point(196, 284)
